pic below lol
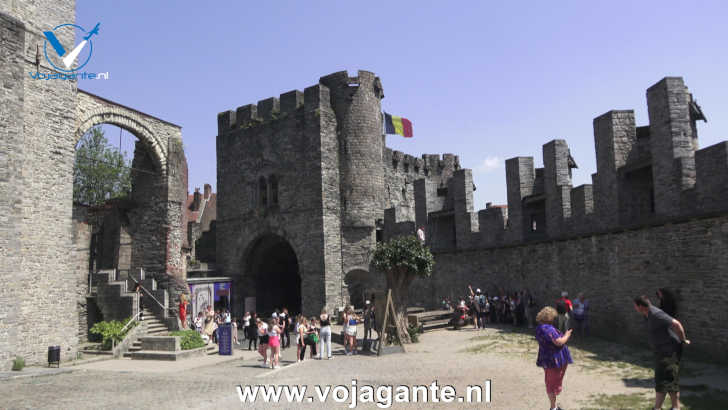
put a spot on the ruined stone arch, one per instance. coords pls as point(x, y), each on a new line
point(156, 246)
point(128, 121)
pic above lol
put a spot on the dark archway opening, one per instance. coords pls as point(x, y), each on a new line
point(359, 287)
point(274, 267)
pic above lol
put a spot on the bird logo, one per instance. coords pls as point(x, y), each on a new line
point(63, 60)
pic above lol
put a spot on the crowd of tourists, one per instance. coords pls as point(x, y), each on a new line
point(208, 322)
point(481, 308)
point(517, 308)
point(555, 326)
point(268, 336)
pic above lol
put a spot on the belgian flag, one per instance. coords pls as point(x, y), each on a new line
point(397, 125)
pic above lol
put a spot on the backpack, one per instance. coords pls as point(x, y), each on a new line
point(481, 301)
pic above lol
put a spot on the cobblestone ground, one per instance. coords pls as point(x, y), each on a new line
point(604, 375)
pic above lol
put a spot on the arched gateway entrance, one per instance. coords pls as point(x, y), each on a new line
point(273, 269)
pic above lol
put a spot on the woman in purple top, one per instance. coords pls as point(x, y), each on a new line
point(553, 354)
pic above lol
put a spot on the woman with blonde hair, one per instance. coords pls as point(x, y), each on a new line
point(350, 321)
point(553, 354)
point(183, 310)
point(210, 325)
point(324, 335)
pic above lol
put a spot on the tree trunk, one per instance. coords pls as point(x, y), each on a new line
point(399, 284)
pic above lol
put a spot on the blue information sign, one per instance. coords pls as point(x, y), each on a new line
point(225, 339)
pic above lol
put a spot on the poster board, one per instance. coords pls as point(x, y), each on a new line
point(202, 295)
point(225, 339)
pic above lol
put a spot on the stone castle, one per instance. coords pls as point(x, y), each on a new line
point(307, 187)
point(303, 182)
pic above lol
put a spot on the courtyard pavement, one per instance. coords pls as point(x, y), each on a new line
point(604, 375)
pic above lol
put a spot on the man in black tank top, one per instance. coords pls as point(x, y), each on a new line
point(283, 319)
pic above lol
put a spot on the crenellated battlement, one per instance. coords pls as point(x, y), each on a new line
point(310, 170)
point(428, 165)
point(269, 109)
point(645, 175)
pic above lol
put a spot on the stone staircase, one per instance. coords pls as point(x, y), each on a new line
point(116, 299)
point(113, 297)
point(156, 327)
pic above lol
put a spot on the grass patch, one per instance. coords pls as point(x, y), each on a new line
point(707, 399)
point(632, 401)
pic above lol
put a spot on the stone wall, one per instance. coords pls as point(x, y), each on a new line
point(654, 217)
point(42, 122)
point(690, 256)
point(80, 263)
point(312, 168)
point(279, 140)
point(37, 165)
point(12, 154)
point(159, 181)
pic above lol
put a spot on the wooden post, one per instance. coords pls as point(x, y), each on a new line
point(384, 322)
point(389, 306)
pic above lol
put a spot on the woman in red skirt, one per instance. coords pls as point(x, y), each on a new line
point(183, 310)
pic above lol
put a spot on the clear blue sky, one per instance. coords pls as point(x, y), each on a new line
point(484, 80)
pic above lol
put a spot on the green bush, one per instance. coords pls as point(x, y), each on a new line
point(18, 363)
point(189, 339)
point(414, 333)
point(111, 331)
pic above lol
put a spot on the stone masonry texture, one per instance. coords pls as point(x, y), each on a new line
point(310, 168)
point(308, 174)
point(654, 217)
point(41, 247)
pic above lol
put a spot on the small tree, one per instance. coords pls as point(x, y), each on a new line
point(402, 259)
point(101, 171)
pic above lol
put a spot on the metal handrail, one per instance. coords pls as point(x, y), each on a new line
point(134, 318)
point(148, 292)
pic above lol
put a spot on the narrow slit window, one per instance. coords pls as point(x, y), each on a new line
point(262, 192)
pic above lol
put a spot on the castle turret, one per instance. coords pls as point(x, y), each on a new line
point(356, 102)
